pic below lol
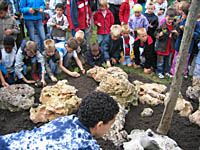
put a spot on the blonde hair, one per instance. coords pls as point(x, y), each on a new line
point(125, 27)
point(184, 4)
point(115, 30)
point(79, 35)
point(141, 30)
point(49, 45)
point(31, 46)
point(103, 3)
point(151, 4)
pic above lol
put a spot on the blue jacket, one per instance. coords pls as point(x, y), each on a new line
point(196, 35)
point(65, 133)
point(95, 60)
point(25, 5)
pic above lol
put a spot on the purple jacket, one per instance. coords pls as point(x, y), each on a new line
point(138, 22)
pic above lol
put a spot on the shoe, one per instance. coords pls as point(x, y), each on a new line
point(185, 76)
point(169, 75)
point(160, 75)
point(35, 77)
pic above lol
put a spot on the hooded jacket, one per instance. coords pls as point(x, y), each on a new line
point(131, 43)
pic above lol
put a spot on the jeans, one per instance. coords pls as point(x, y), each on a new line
point(37, 25)
point(102, 37)
point(53, 66)
point(163, 63)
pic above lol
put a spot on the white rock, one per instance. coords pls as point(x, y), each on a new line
point(147, 112)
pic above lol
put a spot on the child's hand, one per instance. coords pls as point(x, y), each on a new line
point(41, 10)
point(175, 32)
point(75, 74)
point(58, 26)
point(83, 71)
point(8, 32)
point(5, 83)
point(147, 71)
point(160, 34)
point(54, 79)
point(108, 64)
point(53, 24)
point(150, 26)
point(136, 66)
point(99, 24)
point(160, 12)
point(113, 61)
point(43, 82)
point(31, 10)
point(122, 59)
point(181, 27)
point(122, 23)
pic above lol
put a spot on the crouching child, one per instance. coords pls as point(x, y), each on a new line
point(51, 57)
point(26, 59)
point(143, 51)
point(95, 55)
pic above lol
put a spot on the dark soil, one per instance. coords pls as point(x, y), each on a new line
point(186, 134)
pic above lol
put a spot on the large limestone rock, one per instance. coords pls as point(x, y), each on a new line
point(57, 101)
point(195, 117)
point(193, 91)
point(98, 73)
point(119, 87)
point(16, 97)
point(148, 140)
point(150, 93)
point(116, 133)
point(184, 107)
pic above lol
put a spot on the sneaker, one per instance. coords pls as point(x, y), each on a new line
point(169, 75)
point(35, 77)
point(185, 76)
point(160, 75)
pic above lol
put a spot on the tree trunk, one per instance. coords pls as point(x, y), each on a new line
point(180, 67)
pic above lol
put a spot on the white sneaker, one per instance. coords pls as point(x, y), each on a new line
point(169, 75)
point(160, 75)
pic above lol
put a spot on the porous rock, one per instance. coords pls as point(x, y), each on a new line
point(119, 87)
point(150, 93)
point(184, 107)
point(195, 117)
point(16, 97)
point(193, 92)
point(98, 73)
point(147, 112)
point(57, 101)
point(116, 133)
point(141, 140)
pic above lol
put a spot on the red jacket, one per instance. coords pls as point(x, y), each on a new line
point(106, 22)
point(78, 14)
point(124, 12)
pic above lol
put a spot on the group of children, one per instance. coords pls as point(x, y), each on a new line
point(150, 41)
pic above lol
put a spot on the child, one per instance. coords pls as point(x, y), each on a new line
point(28, 55)
point(127, 53)
point(137, 20)
point(126, 10)
point(96, 114)
point(59, 23)
point(143, 50)
point(161, 9)
point(82, 45)
point(95, 56)
point(113, 47)
point(178, 42)
point(8, 25)
point(152, 18)
point(51, 57)
point(104, 19)
point(66, 51)
point(166, 35)
point(8, 59)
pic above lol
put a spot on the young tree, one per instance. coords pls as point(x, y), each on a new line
point(180, 66)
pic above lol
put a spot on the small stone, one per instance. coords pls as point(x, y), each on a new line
point(147, 112)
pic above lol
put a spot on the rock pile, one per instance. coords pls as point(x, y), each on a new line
point(150, 93)
point(193, 92)
point(141, 140)
point(16, 97)
point(116, 133)
point(56, 101)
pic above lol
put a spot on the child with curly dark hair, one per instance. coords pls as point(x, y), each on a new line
point(97, 112)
